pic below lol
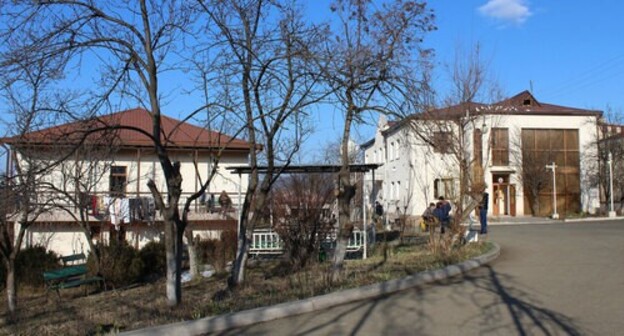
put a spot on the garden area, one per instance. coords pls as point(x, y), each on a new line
point(135, 284)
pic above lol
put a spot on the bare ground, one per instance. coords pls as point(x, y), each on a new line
point(267, 283)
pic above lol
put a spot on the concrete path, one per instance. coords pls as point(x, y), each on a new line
point(556, 279)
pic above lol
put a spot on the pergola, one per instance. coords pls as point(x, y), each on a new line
point(310, 169)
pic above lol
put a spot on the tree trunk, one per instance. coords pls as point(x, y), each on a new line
point(192, 253)
point(535, 206)
point(238, 268)
point(345, 194)
point(179, 248)
point(173, 298)
point(11, 289)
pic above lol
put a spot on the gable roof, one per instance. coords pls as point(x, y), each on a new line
point(523, 103)
point(175, 133)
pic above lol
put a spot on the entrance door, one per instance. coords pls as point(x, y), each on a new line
point(504, 199)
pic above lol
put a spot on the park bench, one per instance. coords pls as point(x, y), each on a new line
point(72, 274)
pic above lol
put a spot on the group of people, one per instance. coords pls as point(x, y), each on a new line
point(440, 212)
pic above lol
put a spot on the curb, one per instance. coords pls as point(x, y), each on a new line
point(592, 219)
point(263, 314)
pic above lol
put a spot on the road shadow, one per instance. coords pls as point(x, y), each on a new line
point(500, 298)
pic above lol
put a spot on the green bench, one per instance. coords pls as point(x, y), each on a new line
point(72, 274)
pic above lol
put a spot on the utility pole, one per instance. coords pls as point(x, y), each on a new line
point(610, 163)
point(552, 166)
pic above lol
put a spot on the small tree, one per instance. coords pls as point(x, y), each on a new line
point(26, 101)
point(532, 172)
point(302, 215)
point(368, 64)
point(265, 61)
point(455, 132)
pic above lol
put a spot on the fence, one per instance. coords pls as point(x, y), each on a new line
point(268, 242)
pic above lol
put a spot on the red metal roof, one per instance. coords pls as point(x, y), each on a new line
point(521, 104)
point(174, 133)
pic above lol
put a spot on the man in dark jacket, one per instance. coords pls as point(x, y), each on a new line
point(483, 209)
point(443, 213)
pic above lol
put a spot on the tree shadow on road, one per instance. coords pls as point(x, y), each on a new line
point(527, 314)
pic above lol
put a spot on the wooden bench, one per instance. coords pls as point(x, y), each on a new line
point(72, 274)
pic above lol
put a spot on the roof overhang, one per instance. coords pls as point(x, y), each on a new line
point(305, 169)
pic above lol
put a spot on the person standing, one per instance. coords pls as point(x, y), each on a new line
point(443, 213)
point(483, 209)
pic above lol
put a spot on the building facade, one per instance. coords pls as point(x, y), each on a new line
point(109, 179)
point(506, 145)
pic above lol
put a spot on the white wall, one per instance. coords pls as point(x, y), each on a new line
point(417, 165)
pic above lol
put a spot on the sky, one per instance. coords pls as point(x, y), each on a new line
point(566, 52)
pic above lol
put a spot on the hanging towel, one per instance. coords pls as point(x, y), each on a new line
point(124, 210)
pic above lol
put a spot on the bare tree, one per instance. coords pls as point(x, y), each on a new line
point(76, 179)
point(134, 43)
point(302, 214)
point(265, 58)
point(369, 66)
point(530, 165)
point(455, 133)
point(26, 101)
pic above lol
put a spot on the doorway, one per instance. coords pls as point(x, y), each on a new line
point(504, 197)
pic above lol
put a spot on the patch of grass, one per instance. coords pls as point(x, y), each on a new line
point(267, 283)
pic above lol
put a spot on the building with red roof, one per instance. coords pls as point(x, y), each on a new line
point(106, 162)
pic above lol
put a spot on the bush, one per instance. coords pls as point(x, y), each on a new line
point(218, 252)
point(154, 259)
point(120, 264)
point(30, 264)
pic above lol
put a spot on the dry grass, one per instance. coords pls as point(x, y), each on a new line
point(268, 282)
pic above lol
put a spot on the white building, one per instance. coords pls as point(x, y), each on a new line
point(119, 172)
point(500, 142)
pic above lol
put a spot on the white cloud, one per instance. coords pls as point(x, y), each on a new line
point(513, 11)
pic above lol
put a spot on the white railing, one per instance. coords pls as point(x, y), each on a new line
point(268, 242)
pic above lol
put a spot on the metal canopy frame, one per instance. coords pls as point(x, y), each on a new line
point(311, 169)
point(306, 169)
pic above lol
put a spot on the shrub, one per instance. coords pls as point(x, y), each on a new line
point(120, 264)
point(30, 264)
point(218, 252)
point(154, 259)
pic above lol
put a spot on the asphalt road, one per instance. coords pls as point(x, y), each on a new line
point(556, 279)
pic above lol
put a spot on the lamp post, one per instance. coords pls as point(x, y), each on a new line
point(553, 166)
point(610, 163)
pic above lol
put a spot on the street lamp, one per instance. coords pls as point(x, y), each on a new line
point(610, 162)
point(553, 166)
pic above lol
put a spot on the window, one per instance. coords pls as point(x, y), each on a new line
point(398, 149)
point(392, 191)
point(500, 146)
point(391, 152)
point(117, 181)
point(478, 146)
point(398, 190)
point(444, 187)
point(442, 142)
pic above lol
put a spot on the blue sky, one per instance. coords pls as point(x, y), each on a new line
point(571, 52)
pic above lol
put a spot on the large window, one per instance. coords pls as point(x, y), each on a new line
point(118, 180)
point(442, 142)
point(500, 146)
point(541, 147)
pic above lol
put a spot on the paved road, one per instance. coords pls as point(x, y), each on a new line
point(556, 279)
